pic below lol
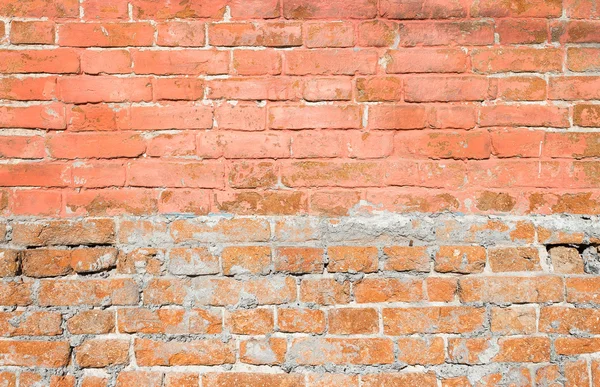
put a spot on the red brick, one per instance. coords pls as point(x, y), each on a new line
point(178, 89)
point(263, 351)
point(35, 174)
point(330, 62)
point(36, 202)
point(426, 60)
point(517, 59)
point(92, 322)
point(104, 89)
point(460, 117)
point(315, 9)
point(581, 290)
point(166, 116)
point(251, 62)
point(581, 59)
point(169, 321)
point(252, 174)
point(574, 88)
point(22, 147)
point(181, 34)
point(196, 261)
point(522, 31)
point(15, 293)
point(250, 321)
point(574, 345)
point(41, 323)
point(240, 116)
point(405, 258)
point(94, 174)
point(9, 262)
point(433, 174)
point(100, 353)
point(275, 34)
point(460, 259)
point(232, 145)
point(349, 321)
point(171, 144)
point(379, 89)
point(529, 115)
point(515, 8)
point(173, 174)
point(396, 117)
point(38, 9)
point(309, 144)
point(416, 350)
point(340, 174)
point(49, 116)
point(58, 61)
point(324, 291)
point(225, 230)
point(437, 9)
point(329, 34)
point(358, 351)
point(187, 62)
point(23, 89)
point(89, 292)
point(246, 260)
point(247, 379)
point(301, 320)
point(516, 142)
point(102, 10)
point(473, 144)
point(106, 61)
point(95, 145)
point(105, 34)
point(91, 117)
point(299, 260)
point(149, 9)
point(445, 89)
point(146, 378)
point(371, 290)
point(200, 352)
point(248, 9)
point(505, 289)
point(48, 354)
point(576, 145)
point(352, 259)
point(520, 88)
point(308, 117)
point(272, 89)
point(404, 379)
point(369, 144)
point(510, 259)
point(586, 115)
point(181, 379)
point(478, 33)
point(435, 319)
point(34, 32)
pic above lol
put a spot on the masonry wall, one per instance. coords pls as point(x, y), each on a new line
point(299, 193)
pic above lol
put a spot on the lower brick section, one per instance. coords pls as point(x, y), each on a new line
point(379, 300)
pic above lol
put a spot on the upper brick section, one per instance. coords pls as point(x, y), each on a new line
point(278, 107)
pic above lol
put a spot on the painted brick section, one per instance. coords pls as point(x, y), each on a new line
point(299, 193)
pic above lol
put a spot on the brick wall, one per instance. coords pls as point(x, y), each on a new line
point(299, 193)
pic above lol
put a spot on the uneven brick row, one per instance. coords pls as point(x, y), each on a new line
point(508, 297)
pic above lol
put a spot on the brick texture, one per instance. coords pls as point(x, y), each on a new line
point(299, 193)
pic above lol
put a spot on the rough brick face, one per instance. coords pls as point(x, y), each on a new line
point(299, 193)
